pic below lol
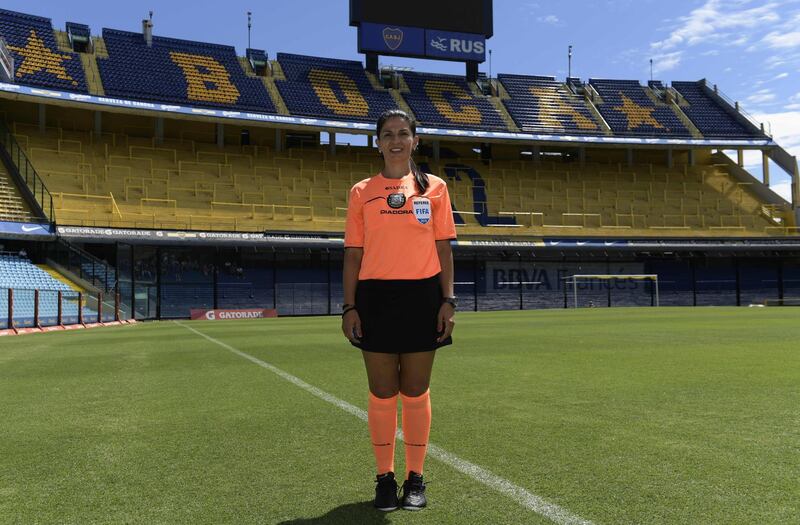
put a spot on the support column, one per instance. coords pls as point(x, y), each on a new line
point(370, 141)
point(670, 161)
point(332, 143)
point(740, 157)
point(691, 157)
point(278, 140)
point(582, 156)
point(98, 123)
point(436, 151)
point(159, 130)
point(629, 157)
point(765, 166)
point(536, 153)
point(42, 118)
point(372, 64)
point(220, 135)
point(795, 184)
point(472, 71)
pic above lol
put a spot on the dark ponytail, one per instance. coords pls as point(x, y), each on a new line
point(420, 177)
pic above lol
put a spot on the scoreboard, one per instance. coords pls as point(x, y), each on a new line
point(440, 29)
point(461, 16)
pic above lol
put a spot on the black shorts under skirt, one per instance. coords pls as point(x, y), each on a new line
point(399, 316)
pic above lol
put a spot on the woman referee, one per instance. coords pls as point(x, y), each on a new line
point(398, 299)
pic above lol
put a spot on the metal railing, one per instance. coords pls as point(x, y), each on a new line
point(70, 308)
point(28, 174)
point(83, 265)
point(736, 107)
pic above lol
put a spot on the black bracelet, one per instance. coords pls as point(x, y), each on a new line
point(345, 306)
point(349, 308)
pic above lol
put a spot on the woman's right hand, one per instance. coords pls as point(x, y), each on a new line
point(351, 326)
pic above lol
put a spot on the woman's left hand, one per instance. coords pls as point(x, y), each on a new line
point(445, 321)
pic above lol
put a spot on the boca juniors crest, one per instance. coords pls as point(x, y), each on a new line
point(393, 37)
point(422, 210)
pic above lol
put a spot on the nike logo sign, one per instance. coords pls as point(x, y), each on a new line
point(31, 228)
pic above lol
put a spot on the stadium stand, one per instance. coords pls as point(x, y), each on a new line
point(644, 199)
point(596, 194)
point(543, 105)
point(38, 58)
point(178, 71)
point(629, 110)
point(23, 277)
point(12, 205)
point(127, 181)
point(196, 73)
point(709, 117)
point(330, 88)
point(448, 101)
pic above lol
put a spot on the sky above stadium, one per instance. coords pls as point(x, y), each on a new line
point(750, 48)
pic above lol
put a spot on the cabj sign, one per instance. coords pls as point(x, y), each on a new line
point(391, 40)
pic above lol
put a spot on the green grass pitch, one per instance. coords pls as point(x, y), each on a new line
point(672, 415)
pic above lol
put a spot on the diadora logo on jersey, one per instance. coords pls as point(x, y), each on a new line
point(422, 210)
point(387, 188)
point(396, 200)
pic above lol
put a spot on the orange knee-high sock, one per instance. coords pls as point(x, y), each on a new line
point(416, 427)
point(382, 420)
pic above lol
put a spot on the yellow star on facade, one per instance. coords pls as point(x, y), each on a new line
point(38, 57)
point(637, 115)
point(552, 106)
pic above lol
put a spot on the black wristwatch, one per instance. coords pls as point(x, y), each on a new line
point(452, 301)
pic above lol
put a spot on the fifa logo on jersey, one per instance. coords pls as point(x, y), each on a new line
point(393, 37)
point(422, 210)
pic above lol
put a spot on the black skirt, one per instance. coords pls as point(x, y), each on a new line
point(399, 316)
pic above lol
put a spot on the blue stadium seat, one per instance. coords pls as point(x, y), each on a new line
point(20, 275)
point(446, 101)
point(544, 105)
point(330, 88)
point(179, 71)
point(710, 118)
point(629, 111)
point(38, 61)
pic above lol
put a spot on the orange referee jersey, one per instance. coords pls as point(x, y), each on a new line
point(397, 227)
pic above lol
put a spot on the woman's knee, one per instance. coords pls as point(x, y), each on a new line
point(384, 391)
point(414, 388)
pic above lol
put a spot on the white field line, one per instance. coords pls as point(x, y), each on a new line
point(525, 498)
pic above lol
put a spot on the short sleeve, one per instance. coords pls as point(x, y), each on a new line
point(354, 228)
point(444, 227)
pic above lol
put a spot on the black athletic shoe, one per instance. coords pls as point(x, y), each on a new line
point(386, 493)
point(414, 492)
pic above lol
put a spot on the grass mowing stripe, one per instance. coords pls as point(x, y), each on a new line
point(525, 498)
